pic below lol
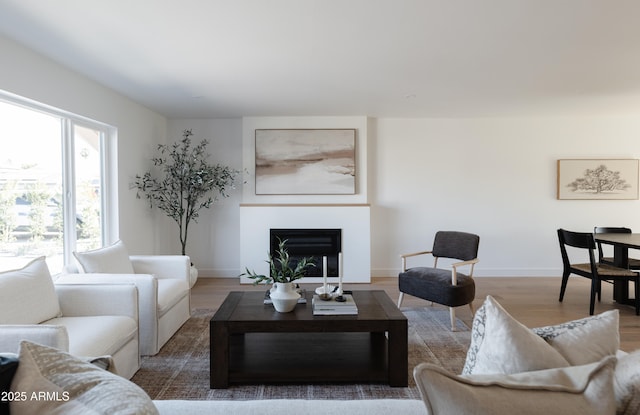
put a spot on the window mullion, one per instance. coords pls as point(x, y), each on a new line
point(68, 189)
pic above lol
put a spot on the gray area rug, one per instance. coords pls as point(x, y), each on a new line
point(181, 369)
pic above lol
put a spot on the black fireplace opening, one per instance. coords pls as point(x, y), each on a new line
point(315, 243)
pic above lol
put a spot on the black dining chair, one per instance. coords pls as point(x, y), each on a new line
point(592, 270)
point(634, 263)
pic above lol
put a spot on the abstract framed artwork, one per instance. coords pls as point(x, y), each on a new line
point(598, 179)
point(305, 161)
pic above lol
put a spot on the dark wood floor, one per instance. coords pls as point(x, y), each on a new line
point(532, 301)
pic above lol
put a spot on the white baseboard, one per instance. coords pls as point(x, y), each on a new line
point(479, 272)
point(488, 272)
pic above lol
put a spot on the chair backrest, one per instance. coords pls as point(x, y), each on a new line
point(608, 229)
point(583, 240)
point(456, 245)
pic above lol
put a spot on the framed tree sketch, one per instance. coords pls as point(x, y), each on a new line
point(305, 161)
point(598, 179)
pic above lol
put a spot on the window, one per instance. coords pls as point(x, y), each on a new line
point(53, 184)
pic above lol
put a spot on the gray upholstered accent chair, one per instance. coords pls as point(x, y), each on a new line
point(446, 286)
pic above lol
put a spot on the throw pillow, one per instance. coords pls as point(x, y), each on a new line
point(113, 259)
point(27, 295)
point(54, 382)
point(501, 344)
point(579, 390)
point(626, 383)
point(586, 340)
point(8, 367)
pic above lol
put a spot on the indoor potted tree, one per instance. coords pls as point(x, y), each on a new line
point(184, 182)
point(282, 274)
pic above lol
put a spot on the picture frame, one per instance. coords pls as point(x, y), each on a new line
point(305, 161)
point(597, 179)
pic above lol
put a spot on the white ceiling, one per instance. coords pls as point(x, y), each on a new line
point(385, 58)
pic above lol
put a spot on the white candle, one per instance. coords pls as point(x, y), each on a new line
point(340, 273)
point(324, 274)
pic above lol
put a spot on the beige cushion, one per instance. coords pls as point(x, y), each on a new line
point(27, 295)
point(110, 259)
point(579, 390)
point(501, 344)
point(586, 340)
point(73, 386)
point(97, 335)
point(627, 384)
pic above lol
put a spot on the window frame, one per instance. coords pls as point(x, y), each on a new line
point(108, 170)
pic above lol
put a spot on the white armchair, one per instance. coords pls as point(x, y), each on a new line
point(163, 289)
point(84, 320)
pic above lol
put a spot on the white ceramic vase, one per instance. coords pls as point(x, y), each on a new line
point(284, 296)
point(193, 275)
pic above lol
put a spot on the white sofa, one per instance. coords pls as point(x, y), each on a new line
point(163, 283)
point(85, 320)
point(294, 407)
point(493, 383)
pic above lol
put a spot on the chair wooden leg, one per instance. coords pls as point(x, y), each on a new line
point(592, 300)
point(637, 300)
point(400, 297)
point(473, 311)
point(452, 312)
point(563, 286)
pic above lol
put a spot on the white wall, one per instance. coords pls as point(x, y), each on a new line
point(493, 177)
point(214, 242)
point(30, 75)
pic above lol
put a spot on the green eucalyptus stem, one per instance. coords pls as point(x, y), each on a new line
point(280, 268)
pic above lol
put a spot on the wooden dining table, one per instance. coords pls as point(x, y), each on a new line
point(621, 243)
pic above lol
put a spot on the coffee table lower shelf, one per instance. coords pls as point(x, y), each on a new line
point(308, 358)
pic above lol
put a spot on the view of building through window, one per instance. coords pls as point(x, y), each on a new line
point(50, 169)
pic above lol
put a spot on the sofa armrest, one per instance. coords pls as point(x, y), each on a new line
point(162, 266)
point(98, 300)
point(49, 335)
point(147, 286)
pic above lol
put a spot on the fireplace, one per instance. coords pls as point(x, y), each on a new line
point(316, 243)
point(256, 222)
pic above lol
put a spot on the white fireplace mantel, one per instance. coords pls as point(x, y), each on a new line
point(256, 220)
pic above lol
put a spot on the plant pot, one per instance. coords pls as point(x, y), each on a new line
point(193, 275)
point(284, 296)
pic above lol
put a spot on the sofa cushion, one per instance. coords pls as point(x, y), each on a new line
point(586, 340)
point(579, 390)
point(626, 382)
point(109, 259)
point(27, 295)
point(97, 335)
point(170, 292)
point(72, 386)
point(501, 344)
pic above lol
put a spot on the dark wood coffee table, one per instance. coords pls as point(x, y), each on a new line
point(252, 343)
